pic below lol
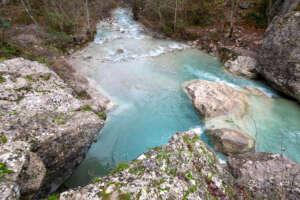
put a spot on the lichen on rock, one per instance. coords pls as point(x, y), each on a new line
point(185, 168)
point(40, 110)
point(279, 57)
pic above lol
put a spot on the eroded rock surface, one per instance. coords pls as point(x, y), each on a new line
point(183, 169)
point(242, 66)
point(231, 141)
point(279, 57)
point(186, 168)
point(225, 112)
point(267, 175)
point(40, 110)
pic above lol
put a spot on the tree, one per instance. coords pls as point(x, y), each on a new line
point(3, 26)
point(233, 8)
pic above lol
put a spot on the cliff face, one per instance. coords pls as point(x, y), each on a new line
point(279, 57)
point(46, 128)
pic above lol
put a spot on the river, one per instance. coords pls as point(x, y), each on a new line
point(143, 76)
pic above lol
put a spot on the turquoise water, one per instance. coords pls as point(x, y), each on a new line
point(144, 80)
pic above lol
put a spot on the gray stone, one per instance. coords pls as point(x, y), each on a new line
point(279, 57)
point(225, 114)
point(231, 141)
point(183, 169)
point(37, 107)
point(245, 4)
point(282, 7)
point(212, 99)
point(267, 175)
point(242, 66)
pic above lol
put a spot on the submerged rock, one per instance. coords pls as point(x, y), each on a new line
point(279, 57)
point(242, 66)
point(183, 169)
point(225, 113)
point(42, 112)
point(267, 175)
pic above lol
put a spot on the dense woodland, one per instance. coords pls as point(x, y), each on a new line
point(59, 25)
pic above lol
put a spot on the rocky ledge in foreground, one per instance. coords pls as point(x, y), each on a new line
point(46, 129)
point(186, 168)
point(279, 58)
point(225, 112)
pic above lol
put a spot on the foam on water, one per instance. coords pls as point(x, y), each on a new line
point(143, 76)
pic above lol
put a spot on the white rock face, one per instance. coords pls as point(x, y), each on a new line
point(183, 169)
point(39, 109)
point(242, 66)
point(224, 109)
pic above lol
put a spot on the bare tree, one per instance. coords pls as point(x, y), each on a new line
point(175, 15)
point(87, 15)
point(233, 8)
point(28, 12)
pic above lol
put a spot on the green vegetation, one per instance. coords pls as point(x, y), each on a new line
point(52, 197)
point(126, 196)
point(2, 79)
point(29, 78)
point(87, 107)
point(3, 170)
point(122, 166)
point(3, 139)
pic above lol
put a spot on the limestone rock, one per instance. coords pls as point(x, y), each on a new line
point(225, 112)
point(242, 66)
point(212, 99)
point(23, 175)
point(231, 141)
point(183, 169)
point(245, 4)
point(282, 7)
point(279, 57)
point(267, 175)
point(37, 107)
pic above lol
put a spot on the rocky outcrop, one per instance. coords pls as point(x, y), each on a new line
point(225, 113)
point(279, 57)
point(267, 175)
point(282, 7)
point(40, 111)
point(186, 168)
point(242, 66)
point(183, 169)
point(22, 171)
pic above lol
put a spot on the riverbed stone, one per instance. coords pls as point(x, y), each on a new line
point(212, 99)
point(231, 141)
point(39, 109)
point(279, 61)
point(242, 66)
point(267, 175)
point(225, 112)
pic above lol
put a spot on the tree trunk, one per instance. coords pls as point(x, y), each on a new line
point(28, 13)
point(87, 16)
point(233, 6)
point(175, 15)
